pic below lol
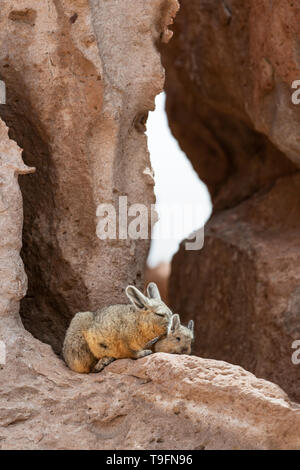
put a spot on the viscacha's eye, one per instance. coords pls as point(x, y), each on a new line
point(178, 339)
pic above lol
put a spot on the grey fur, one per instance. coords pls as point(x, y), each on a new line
point(179, 339)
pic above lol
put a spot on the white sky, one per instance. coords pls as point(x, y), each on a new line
point(176, 184)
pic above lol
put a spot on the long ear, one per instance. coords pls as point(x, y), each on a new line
point(136, 297)
point(191, 326)
point(153, 292)
point(175, 322)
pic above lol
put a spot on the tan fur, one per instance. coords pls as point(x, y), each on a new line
point(75, 350)
point(178, 341)
point(93, 340)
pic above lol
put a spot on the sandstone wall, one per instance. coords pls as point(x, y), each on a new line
point(230, 69)
point(81, 77)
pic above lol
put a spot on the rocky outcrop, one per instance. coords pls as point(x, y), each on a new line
point(159, 402)
point(81, 77)
point(243, 287)
point(13, 281)
point(230, 70)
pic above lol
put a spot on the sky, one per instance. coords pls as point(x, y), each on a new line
point(179, 191)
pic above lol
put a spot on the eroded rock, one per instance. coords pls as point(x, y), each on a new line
point(243, 287)
point(13, 281)
point(159, 402)
point(80, 77)
point(230, 70)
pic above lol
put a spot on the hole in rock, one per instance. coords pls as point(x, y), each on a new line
point(183, 202)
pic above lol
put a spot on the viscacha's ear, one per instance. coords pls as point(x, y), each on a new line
point(175, 322)
point(153, 292)
point(137, 298)
point(191, 326)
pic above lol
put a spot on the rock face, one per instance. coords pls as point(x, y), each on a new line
point(159, 402)
point(76, 103)
point(160, 275)
point(230, 70)
point(243, 290)
point(80, 78)
point(13, 281)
